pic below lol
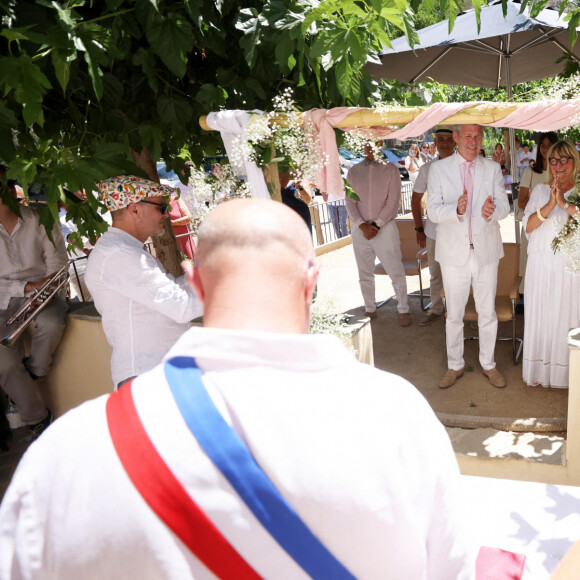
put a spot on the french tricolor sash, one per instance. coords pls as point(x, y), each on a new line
point(171, 502)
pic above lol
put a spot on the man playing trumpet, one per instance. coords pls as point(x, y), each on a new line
point(29, 259)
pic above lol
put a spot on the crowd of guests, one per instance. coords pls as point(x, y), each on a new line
point(547, 176)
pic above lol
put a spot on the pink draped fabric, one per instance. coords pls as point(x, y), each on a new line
point(543, 116)
point(324, 120)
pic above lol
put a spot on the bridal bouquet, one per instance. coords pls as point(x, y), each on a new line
point(568, 240)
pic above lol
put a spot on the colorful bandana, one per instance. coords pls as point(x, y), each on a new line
point(119, 192)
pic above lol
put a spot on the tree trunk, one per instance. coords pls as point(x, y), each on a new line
point(165, 245)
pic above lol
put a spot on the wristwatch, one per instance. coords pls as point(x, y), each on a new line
point(421, 229)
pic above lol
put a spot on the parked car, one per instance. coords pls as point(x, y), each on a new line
point(348, 158)
point(164, 173)
point(397, 156)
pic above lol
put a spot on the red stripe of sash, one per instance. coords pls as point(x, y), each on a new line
point(165, 494)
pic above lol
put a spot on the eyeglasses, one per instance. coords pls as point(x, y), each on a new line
point(424, 146)
point(162, 206)
point(562, 160)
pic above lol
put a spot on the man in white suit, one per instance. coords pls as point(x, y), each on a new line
point(466, 200)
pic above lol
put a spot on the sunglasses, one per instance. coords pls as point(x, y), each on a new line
point(163, 208)
point(424, 146)
point(562, 160)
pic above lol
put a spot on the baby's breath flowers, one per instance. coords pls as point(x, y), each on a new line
point(209, 191)
point(357, 142)
point(294, 144)
point(568, 240)
point(325, 320)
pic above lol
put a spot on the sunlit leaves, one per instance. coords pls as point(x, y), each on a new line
point(29, 84)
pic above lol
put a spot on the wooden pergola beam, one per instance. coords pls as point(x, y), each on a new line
point(478, 113)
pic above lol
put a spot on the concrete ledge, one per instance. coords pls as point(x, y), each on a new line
point(331, 246)
point(535, 424)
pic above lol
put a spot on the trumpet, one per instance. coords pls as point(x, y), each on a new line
point(39, 300)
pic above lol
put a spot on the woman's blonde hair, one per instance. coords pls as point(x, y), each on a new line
point(564, 148)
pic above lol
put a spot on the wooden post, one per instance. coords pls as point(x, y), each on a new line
point(272, 177)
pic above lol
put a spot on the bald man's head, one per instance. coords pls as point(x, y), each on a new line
point(253, 225)
point(256, 268)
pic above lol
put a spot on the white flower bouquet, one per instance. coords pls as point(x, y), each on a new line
point(568, 240)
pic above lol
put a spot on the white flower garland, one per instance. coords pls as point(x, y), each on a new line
point(295, 144)
point(209, 191)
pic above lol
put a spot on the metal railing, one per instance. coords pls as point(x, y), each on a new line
point(406, 195)
point(330, 220)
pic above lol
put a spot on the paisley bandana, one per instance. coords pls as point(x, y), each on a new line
point(119, 192)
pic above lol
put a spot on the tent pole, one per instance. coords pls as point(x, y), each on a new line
point(512, 140)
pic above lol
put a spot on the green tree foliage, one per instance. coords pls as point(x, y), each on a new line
point(93, 89)
point(85, 84)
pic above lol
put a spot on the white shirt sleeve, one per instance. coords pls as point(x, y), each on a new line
point(144, 281)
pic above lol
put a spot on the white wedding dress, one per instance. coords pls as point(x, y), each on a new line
point(552, 299)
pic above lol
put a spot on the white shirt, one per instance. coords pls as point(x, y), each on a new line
point(357, 452)
point(523, 159)
point(420, 186)
point(27, 255)
point(144, 309)
point(413, 164)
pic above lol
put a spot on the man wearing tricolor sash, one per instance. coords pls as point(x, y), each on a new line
point(254, 450)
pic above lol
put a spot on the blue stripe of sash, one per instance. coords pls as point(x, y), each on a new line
point(232, 457)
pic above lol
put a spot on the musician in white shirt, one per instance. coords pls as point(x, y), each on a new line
point(29, 259)
point(144, 309)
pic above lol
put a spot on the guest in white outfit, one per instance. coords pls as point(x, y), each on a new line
point(144, 309)
point(413, 162)
point(466, 200)
point(432, 151)
point(374, 232)
point(426, 236)
point(552, 293)
point(533, 175)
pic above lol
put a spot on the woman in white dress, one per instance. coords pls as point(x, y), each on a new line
point(552, 293)
point(532, 176)
point(413, 162)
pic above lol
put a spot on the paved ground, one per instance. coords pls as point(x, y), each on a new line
point(418, 353)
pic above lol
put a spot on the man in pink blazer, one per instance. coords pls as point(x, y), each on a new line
point(466, 200)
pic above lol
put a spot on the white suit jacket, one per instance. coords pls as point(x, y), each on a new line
point(445, 186)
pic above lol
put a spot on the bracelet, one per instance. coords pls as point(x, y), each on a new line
point(540, 216)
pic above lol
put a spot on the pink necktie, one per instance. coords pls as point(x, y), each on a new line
point(468, 184)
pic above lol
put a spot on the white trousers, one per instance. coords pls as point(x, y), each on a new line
point(436, 282)
point(386, 246)
point(457, 281)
